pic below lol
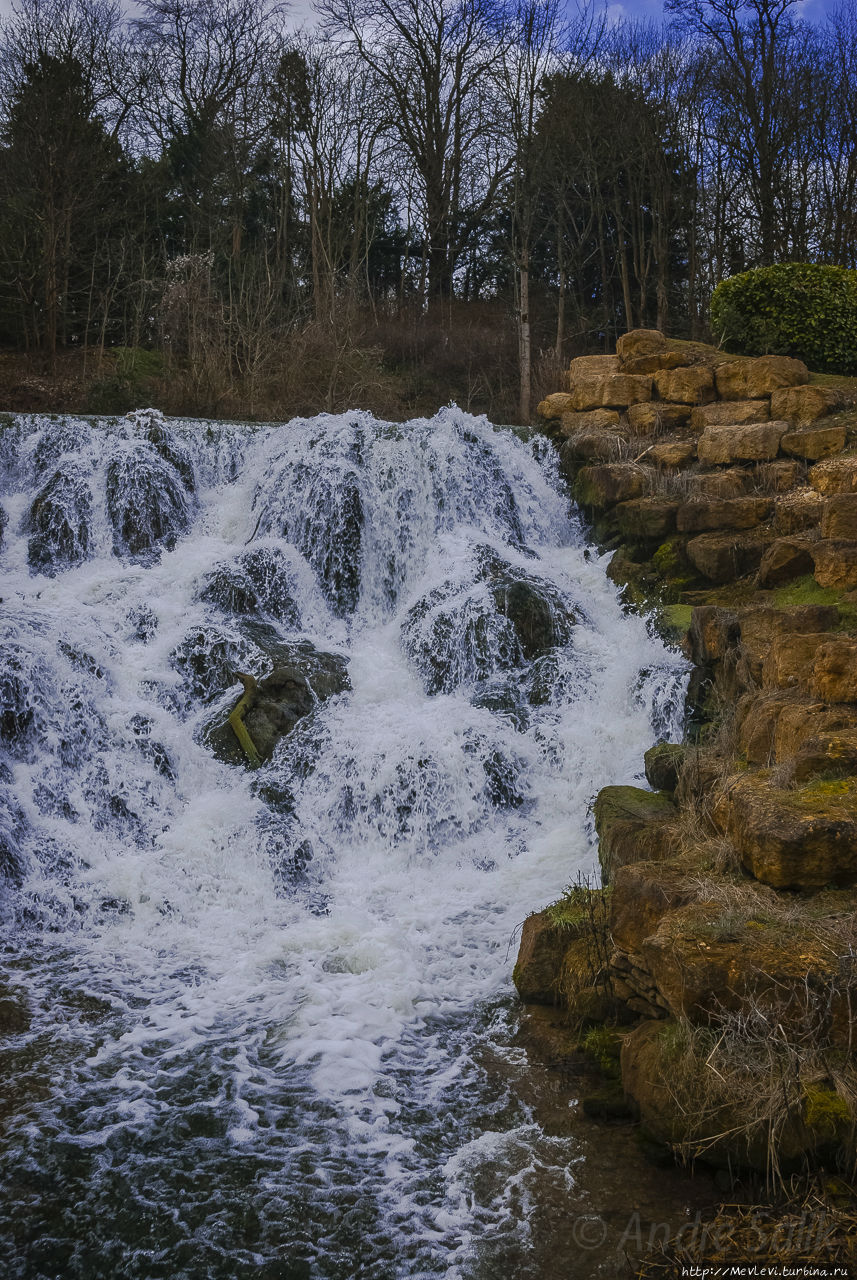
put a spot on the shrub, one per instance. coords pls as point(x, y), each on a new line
point(797, 309)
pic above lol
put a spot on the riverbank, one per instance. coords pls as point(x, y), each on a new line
point(715, 967)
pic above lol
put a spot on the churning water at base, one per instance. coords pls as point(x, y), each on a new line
point(261, 1001)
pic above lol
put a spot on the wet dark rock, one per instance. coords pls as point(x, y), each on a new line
point(328, 532)
point(501, 507)
point(64, 436)
point(17, 701)
point(456, 634)
point(147, 502)
point(172, 451)
point(143, 623)
point(504, 697)
point(505, 772)
point(4, 520)
point(259, 582)
point(207, 658)
point(271, 707)
point(59, 521)
point(454, 637)
point(152, 750)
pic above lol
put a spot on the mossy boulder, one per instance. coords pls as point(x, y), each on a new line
point(633, 825)
point(794, 839)
point(684, 1108)
point(604, 486)
point(642, 894)
point(551, 941)
point(649, 519)
point(271, 707)
point(663, 764)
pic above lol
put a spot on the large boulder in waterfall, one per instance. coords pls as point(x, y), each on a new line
point(59, 521)
point(147, 502)
point(462, 633)
point(153, 427)
point(258, 583)
point(271, 707)
point(207, 656)
point(326, 526)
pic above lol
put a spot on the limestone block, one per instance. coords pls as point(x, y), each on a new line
point(611, 391)
point(544, 942)
point(594, 420)
point(835, 670)
point(781, 475)
point(729, 413)
point(591, 445)
point(839, 518)
point(838, 475)
point(797, 511)
point(700, 514)
point(814, 442)
point(783, 561)
point(762, 625)
point(755, 379)
point(655, 418)
point(663, 765)
point(593, 366)
point(789, 661)
point(802, 839)
point(723, 557)
point(672, 454)
point(647, 518)
point(836, 564)
point(642, 894)
point(712, 633)
point(640, 342)
point(653, 363)
point(605, 485)
point(693, 384)
point(753, 442)
point(734, 483)
point(633, 826)
point(803, 404)
point(555, 405)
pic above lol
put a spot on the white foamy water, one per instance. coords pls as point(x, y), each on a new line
point(261, 998)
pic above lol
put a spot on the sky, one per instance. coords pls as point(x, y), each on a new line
point(301, 10)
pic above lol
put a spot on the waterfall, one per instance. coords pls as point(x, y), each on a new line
point(260, 1002)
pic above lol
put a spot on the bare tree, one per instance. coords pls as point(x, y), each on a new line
point(435, 64)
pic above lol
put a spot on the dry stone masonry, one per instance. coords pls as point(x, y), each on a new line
point(727, 489)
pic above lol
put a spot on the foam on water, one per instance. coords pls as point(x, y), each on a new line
point(260, 1000)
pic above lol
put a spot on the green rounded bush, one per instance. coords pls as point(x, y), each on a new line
point(800, 309)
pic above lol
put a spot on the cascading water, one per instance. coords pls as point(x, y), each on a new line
point(260, 1001)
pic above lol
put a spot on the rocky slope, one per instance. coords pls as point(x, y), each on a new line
point(722, 950)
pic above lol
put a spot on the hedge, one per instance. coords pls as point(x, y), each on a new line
point(798, 309)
